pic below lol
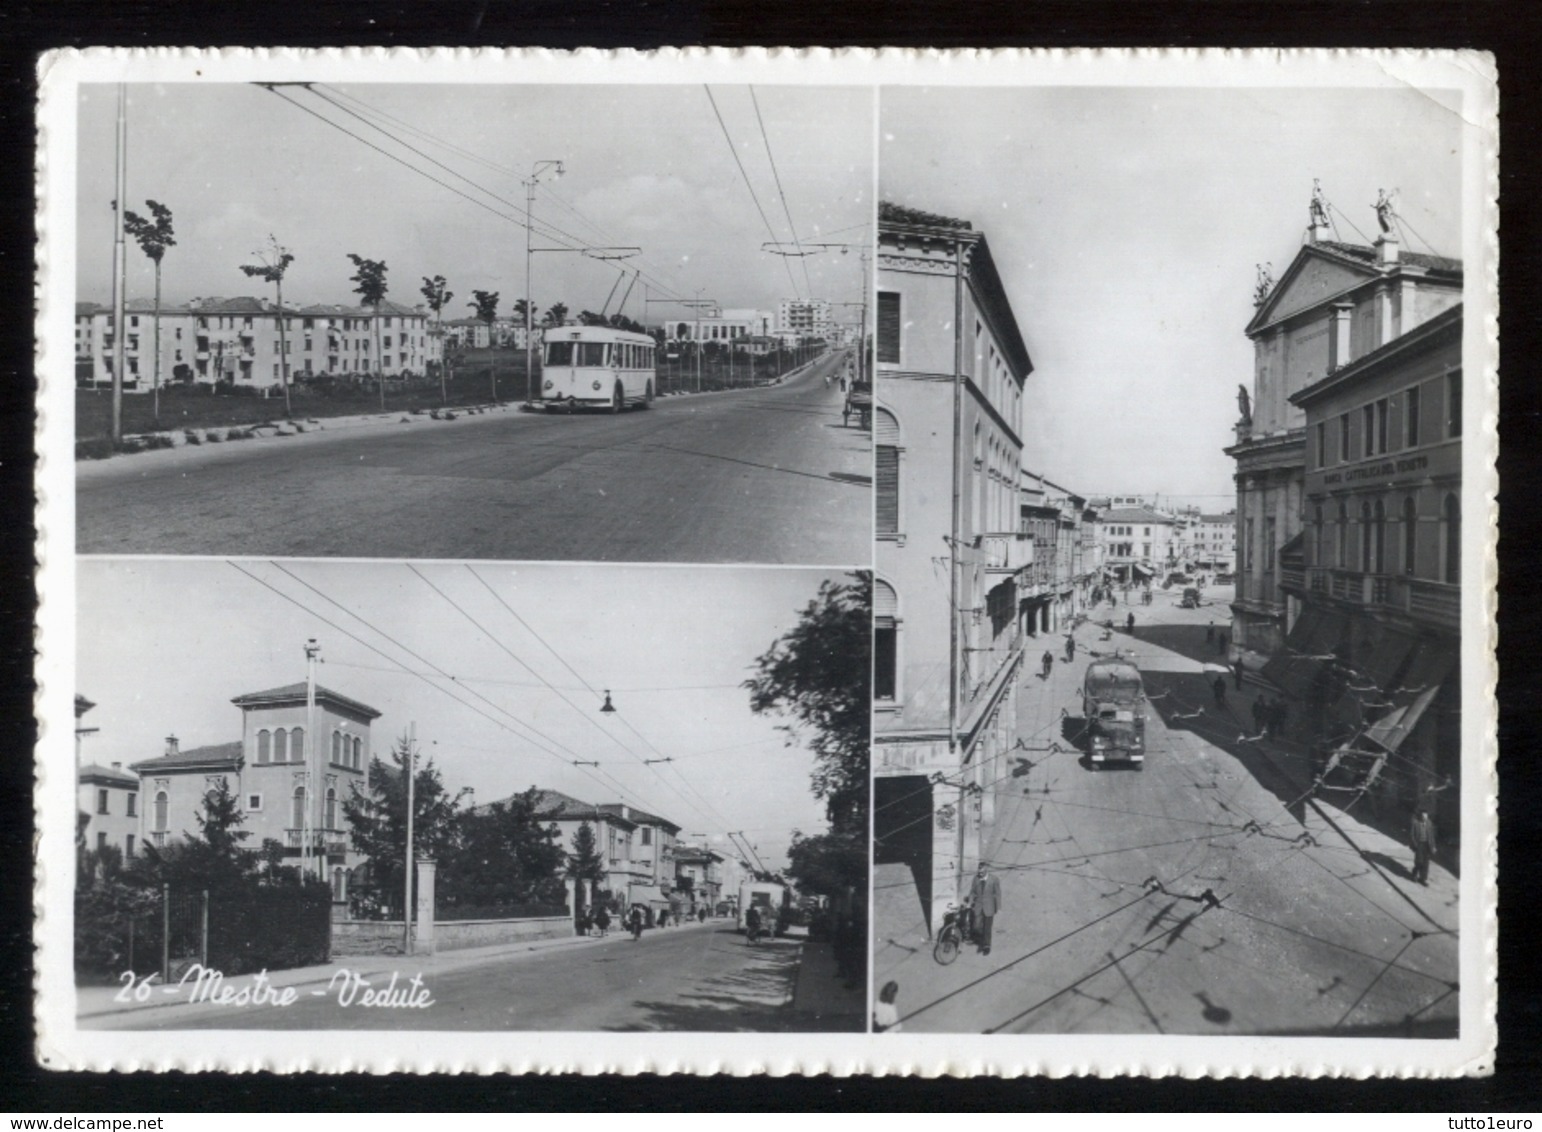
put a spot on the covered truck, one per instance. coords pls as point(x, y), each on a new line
point(1113, 704)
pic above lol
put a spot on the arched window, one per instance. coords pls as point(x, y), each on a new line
point(264, 746)
point(162, 804)
point(1410, 534)
point(297, 810)
point(885, 642)
point(1341, 539)
point(280, 746)
point(358, 754)
point(297, 745)
point(1451, 521)
point(337, 747)
point(331, 810)
point(887, 439)
point(337, 884)
point(1379, 541)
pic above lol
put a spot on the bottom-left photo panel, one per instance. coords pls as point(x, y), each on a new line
point(335, 795)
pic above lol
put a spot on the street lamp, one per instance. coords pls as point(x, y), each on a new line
point(536, 171)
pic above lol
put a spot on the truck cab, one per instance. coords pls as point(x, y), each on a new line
point(1114, 707)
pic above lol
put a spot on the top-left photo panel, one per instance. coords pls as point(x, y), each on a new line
point(612, 323)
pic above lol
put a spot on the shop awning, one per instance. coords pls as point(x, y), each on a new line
point(646, 894)
point(1386, 679)
point(1427, 668)
point(1391, 729)
point(1141, 569)
point(1300, 668)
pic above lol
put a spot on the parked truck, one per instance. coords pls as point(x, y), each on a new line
point(1114, 707)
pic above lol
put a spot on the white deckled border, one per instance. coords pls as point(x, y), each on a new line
point(62, 1045)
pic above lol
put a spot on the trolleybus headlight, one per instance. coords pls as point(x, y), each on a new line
point(547, 385)
point(596, 386)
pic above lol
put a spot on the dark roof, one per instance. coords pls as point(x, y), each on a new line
point(1229, 517)
point(290, 693)
point(891, 213)
point(1368, 256)
point(696, 853)
point(241, 304)
point(554, 805)
point(1133, 515)
point(196, 756)
point(85, 310)
point(93, 772)
point(632, 813)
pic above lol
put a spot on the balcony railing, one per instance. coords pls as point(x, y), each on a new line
point(328, 840)
point(1436, 602)
point(1292, 579)
point(1006, 552)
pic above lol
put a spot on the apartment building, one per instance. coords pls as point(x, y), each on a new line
point(951, 552)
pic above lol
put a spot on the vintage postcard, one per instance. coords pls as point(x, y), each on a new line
point(768, 561)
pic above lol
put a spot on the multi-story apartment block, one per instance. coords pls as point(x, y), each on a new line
point(615, 839)
point(1212, 542)
point(1137, 542)
point(290, 772)
point(725, 326)
point(1056, 587)
point(951, 364)
point(798, 319)
point(652, 850)
point(236, 341)
point(698, 877)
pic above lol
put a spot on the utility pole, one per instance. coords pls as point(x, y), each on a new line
point(308, 826)
point(535, 175)
point(697, 337)
point(119, 261)
point(412, 752)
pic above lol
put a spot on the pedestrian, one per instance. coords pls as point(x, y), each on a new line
point(1219, 688)
point(1129, 623)
point(985, 900)
point(1421, 834)
point(602, 920)
point(885, 1012)
point(1236, 669)
point(1210, 633)
point(1047, 662)
point(701, 914)
point(1070, 648)
point(1220, 644)
point(635, 921)
point(663, 917)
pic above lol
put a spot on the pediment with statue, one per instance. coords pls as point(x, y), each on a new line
point(1315, 275)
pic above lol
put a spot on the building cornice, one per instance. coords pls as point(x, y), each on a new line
point(1427, 336)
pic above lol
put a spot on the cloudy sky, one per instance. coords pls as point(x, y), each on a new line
point(166, 644)
point(1127, 223)
point(643, 165)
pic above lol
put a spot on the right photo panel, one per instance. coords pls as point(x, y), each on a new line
point(1168, 572)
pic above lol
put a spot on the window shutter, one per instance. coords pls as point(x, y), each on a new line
point(885, 602)
point(889, 327)
point(888, 489)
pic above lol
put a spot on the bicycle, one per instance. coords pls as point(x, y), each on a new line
point(957, 929)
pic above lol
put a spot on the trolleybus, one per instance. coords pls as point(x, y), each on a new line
point(596, 367)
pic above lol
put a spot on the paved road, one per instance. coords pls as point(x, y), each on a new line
point(1317, 929)
point(768, 475)
point(696, 977)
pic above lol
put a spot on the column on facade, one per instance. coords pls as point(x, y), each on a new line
point(423, 925)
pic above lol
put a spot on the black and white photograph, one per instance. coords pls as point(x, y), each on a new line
point(632, 798)
point(605, 323)
point(1170, 565)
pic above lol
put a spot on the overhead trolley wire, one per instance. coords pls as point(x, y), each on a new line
point(735, 152)
point(586, 716)
point(517, 723)
point(782, 193)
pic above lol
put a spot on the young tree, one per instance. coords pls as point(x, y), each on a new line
point(437, 292)
point(584, 859)
point(378, 817)
point(275, 261)
point(486, 304)
point(370, 285)
point(556, 315)
point(215, 858)
point(819, 673)
point(154, 237)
